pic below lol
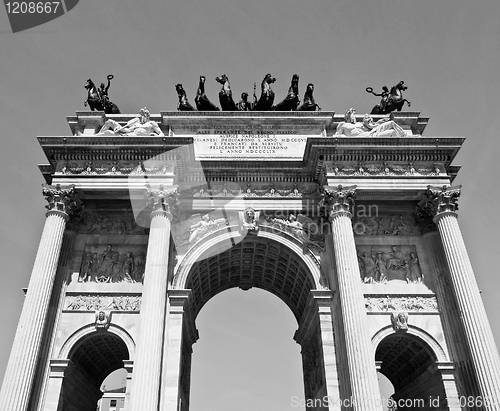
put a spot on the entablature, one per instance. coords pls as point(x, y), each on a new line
point(377, 165)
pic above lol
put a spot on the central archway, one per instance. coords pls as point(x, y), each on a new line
point(269, 262)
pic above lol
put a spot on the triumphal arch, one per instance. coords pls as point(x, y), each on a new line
point(150, 216)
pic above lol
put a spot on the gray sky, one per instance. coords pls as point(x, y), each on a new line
point(447, 52)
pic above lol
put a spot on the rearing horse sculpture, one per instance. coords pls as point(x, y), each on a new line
point(201, 100)
point(226, 95)
point(183, 101)
point(266, 99)
point(291, 101)
point(309, 104)
point(97, 99)
point(93, 98)
point(394, 101)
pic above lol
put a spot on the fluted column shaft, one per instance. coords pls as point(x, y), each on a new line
point(145, 392)
point(472, 312)
point(452, 324)
point(19, 375)
point(361, 364)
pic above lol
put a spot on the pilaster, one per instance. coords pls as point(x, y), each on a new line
point(361, 361)
point(173, 398)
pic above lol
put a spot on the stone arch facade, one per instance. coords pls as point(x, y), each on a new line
point(404, 209)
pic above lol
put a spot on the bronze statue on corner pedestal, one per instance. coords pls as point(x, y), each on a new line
point(97, 98)
point(391, 100)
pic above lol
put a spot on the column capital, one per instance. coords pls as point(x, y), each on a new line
point(163, 201)
point(339, 200)
point(442, 200)
point(61, 199)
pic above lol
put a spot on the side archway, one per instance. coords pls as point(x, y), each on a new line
point(90, 356)
point(411, 361)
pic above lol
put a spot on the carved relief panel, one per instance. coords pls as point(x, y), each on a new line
point(111, 263)
point(100, 302)
point(383, 263)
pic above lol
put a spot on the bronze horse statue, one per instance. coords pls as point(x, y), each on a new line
point(291, 101)
point(309, 104)
point(226, 95)
point(97, 99)
point(183, 101)
point(266, 99)
point(391, 101)
point(201, 100)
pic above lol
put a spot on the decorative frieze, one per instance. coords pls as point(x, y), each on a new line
point(102, 302)
point(112, 168)
point(369, 169)
point(250, 191)
point(401, 304)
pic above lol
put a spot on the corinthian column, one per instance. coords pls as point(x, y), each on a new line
point(360, 359)
point(145, 391)
point(485, 358)
point(20, 372)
